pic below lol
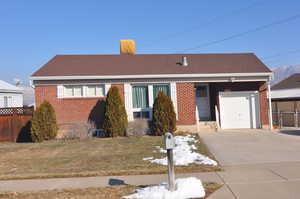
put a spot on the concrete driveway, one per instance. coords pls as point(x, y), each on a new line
point(258, 164)
point(238, 147)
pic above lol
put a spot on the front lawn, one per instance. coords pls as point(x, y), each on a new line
point(93, 157)
point(115, 192)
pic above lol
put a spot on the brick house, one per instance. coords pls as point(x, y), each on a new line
point(228, 90)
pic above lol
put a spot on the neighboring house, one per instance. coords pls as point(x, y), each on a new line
point(286, 100)
point(286, 94)
point(10, 95)
point(229, 89)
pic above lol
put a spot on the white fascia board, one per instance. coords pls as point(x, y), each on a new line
point(286, 89)
point(11, 91)
point(285, 93)
point(151, 76)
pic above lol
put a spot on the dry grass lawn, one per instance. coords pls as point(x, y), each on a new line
point(93, 157)
point(115, 192)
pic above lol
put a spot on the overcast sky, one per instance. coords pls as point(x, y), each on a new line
point(33, 31)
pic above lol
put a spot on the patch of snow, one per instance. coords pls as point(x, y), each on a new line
point(183, 153)
point(150, 158)
point(185, 188)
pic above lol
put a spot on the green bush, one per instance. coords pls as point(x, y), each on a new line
point(44, 126)
point(164, 116)
point(115, 116)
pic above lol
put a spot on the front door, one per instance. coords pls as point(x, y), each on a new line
point(202, 102)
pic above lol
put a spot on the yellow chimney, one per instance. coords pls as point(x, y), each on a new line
point(127, 47)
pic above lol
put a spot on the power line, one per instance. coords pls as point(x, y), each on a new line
point(244, 33)
point(213, 20)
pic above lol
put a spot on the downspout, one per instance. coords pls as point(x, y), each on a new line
point(270, 106)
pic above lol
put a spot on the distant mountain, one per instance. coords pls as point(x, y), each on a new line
point(282, 72)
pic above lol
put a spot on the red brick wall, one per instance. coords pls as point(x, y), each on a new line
point(264, 105)
point(72, 109)
point(186, 104)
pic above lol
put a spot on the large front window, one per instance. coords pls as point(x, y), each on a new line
point(143, 97)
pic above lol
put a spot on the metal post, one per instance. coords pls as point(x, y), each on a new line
point(171, 173)
point(278, 118)
point(170, 144)
point(270, 106)
point(281, 120)
point(296, 118)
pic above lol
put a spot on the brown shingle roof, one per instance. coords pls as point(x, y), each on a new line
point(150, 64)
point(292, 81)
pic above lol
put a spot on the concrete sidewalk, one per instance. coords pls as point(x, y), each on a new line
point(100, 181)
point(280, 180)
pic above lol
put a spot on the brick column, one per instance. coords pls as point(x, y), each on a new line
point(186, 104)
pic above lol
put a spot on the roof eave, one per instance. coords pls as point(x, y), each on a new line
point(150, 76)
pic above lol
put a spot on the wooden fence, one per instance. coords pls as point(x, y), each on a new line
point(15, 124)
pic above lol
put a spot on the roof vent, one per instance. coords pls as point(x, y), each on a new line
point(185, 61)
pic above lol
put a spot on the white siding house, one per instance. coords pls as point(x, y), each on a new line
point(10, 95)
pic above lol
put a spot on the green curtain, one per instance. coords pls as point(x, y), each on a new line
point(163, 88)
point(140, 97)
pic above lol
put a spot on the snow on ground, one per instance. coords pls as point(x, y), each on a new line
point(186, 188)
point(183, 153)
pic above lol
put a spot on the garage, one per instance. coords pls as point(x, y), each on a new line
point(239, 109)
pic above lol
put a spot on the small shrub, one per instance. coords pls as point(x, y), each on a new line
point(164, 116)
point(138, 128)
point(115, 117)
point(44, 126)
point(76, 131)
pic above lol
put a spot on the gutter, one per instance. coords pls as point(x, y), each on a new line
point(85, 77)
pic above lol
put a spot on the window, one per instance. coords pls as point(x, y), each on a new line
point(73, 91)
point(83, 91)
point(7, 101)
point(95, 91)
point(141, 115)
point(158, 88)
point(143, 97)
point(140, 97)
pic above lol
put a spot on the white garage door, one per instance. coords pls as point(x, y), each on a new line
point(239, 110)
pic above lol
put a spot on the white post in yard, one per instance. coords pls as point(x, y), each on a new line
point(170, 144)
point(270, 106)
